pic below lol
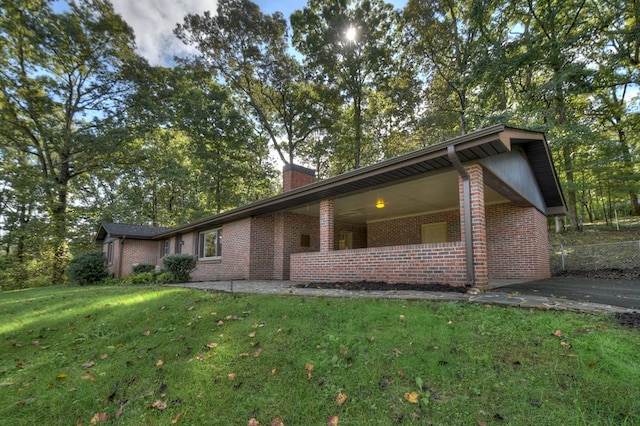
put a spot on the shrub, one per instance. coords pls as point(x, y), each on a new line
point(87, 268)
point(180, 266)
point(141, 268)
point(164, 278)
point(143, 278)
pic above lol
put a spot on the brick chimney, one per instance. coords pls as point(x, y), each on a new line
point(294, 176)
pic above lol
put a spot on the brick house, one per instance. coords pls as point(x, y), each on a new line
point(462, 212)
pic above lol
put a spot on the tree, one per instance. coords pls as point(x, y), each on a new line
point(348, 49)
point(249, 51)
point(59, 84)
point(552, 55)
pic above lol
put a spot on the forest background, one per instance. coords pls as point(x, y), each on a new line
point(91, 132)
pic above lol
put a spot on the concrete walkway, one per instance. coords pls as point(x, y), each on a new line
point(493, 297)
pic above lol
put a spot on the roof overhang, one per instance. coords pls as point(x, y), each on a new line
point(471, 147)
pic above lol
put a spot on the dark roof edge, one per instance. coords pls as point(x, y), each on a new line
point(478, 136)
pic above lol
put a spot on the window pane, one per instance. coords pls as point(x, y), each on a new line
point(210, 244)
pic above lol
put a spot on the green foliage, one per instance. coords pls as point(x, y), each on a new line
point(140, 278)
point(140, 268)
point(180, 266)
point(87, 268)
point(164, 278)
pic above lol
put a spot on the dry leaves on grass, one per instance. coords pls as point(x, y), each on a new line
point(159, 405)
point(412, 397)
point(332, 421)
point(341, 399)
point(99, 418)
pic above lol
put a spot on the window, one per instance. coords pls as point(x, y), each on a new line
point(179, 244)
point(346, 240)
point(210, 244)
point(305, 240)
point(434, 233)
point(166, 248)
point(110, 253)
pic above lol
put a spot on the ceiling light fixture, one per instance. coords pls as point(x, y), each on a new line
point(380, 204)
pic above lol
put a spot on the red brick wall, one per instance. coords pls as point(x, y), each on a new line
point(131, 252)
point(407, 230)
point(418, 264)
point(294, 176)
point(262, 243)
point(359, 234)
point(478, 224)
point(518, 245)
point(234, 263)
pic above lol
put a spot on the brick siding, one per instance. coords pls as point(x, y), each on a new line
point(518, 242)
point(417, 264)
point(407, 230)
point(128, 252)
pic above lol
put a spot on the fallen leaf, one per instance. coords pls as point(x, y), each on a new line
point(146, 332)
point(36, 343)
point(332, 421)
point(277, 422)
point(99, 418)
point(593, 364)
point(212, 345)
point(177, 418)
point(45, 347)
point(402, 317)
point(274, 371)
point(88, 376)
point(343, 352)
point(397, 352)
point(412, 397)
point(283, 316)
point(253, 422)
point(160, 363)
point(61, 376)
point(401, 373)
point(341, 399)
point(17, 344)
point(482, 423)
point(565, 345)
point(558, 333)
point(88, 365)
point(231, 376)
point(5, 384)
point(191, 308)
point(308, 367)
point(158, 405)
point(252, 334)
point(257, 352)
point(120, 409)
point(200, 357)
point(450, 322)
point(104, 356)
point(244, 354)
point(220, 323)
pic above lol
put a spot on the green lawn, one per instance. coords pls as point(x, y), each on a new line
point(159, 356)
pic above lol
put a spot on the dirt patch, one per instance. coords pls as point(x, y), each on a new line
point(629, 319)
point(605, 274)
point(382, 286)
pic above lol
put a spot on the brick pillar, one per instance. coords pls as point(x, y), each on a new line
point(326, 226)
point(478, 225)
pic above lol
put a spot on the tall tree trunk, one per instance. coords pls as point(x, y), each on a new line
point(628, 169)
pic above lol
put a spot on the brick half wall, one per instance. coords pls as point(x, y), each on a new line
point(414, 264)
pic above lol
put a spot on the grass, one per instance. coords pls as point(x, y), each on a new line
point(157, 355)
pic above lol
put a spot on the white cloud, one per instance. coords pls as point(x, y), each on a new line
point(153, 22)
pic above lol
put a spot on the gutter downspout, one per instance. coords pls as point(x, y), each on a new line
point(468, 231)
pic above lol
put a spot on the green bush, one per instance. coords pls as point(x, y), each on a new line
point(143, 278)
point(141, 268)
point(164, 278)
point(87, 268)
point(180, 266)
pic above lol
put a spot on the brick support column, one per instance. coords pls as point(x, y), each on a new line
point(326, 226)
point(478, 224)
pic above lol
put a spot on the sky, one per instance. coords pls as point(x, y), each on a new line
point(154, 20)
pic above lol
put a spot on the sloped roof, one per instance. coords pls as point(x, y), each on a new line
point(474, 146)
point(119, 230)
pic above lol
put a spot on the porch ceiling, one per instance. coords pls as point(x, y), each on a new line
point(435, 192)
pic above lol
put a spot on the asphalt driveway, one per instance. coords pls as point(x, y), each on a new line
point(624, 293)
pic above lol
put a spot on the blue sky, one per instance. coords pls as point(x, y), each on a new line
point(154, 20)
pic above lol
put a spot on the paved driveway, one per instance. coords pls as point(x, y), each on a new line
point(607, 292)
